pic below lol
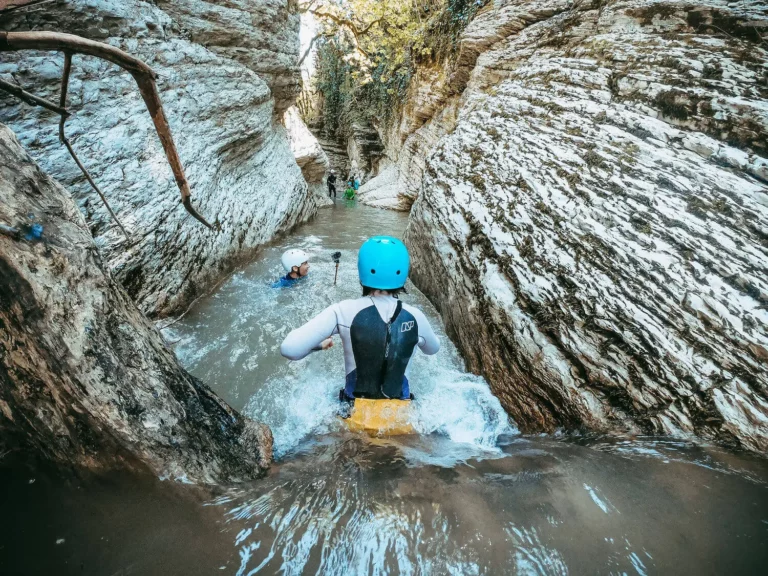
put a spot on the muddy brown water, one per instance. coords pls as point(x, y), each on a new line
point(466, 496)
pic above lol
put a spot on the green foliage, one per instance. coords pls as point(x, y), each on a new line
point(333, 79)
point(364, 67)
point(442, 32)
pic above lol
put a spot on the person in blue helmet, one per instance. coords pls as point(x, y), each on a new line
point(379, 333)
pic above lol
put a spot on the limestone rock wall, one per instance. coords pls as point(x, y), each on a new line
point(427, 115)
point(227, 72)
point(309, 156)
point(337, 155)
point(365, 151)
point(594, 226)
point(84, 377)
point(262, 35)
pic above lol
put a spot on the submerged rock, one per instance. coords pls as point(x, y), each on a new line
point(593, 224)
point(226, 73)
point(84, 377)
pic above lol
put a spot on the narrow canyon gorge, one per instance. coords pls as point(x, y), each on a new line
point(588, 193)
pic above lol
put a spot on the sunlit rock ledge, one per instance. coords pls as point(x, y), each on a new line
point(309, 156)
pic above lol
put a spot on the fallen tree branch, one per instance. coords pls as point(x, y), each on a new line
point(311, 44)
point(65, 141)
point(306, 7)
point(31, 99)
point(19, 4)
point(142, 74)
point(10, 231)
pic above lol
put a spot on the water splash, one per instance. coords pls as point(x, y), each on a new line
point(532, 558)
point(460, 497)
point(231, 341)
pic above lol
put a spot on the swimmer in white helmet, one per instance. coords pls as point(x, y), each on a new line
point(296, 264)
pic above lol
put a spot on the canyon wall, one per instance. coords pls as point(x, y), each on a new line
point(310, 157)
point(427, 114)
point(591, 212)
point(365, 151)
point(85, 378)
point(227, 72)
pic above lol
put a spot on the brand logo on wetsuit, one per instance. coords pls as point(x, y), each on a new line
point(406, 326)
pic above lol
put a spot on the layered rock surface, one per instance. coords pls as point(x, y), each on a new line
point(365, 150)
point(338, 158)
point(262, 35)
point(309, 156)
point(593, 225)
point(84, 377)
point(226, 72)
point(428, 114)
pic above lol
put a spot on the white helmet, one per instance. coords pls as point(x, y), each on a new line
point(293, 257)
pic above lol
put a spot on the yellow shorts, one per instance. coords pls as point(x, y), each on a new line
point(381, 417)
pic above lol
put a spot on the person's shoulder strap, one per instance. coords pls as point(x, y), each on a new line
point(398, 309)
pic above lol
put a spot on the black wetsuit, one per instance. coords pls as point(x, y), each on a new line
point(332, 185)
point(379, 335)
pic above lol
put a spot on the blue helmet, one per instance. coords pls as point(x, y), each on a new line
point(383, 263)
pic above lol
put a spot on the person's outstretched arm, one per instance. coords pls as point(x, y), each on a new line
point(428, 342)
point(300, 342)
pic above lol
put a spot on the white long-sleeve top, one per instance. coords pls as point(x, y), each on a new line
point(337, 319)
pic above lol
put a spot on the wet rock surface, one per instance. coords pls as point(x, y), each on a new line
point(593, 224)
point(338, 158)
point(226, 73)
point(540, 506)
point(84, 377)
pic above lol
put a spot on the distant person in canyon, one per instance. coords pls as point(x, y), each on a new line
point(349, 193)
point(378, 332)
point(332, 184)
point(296, 263)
